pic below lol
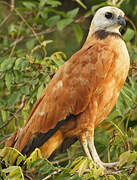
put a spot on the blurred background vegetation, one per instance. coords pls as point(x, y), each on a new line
point(36, 38)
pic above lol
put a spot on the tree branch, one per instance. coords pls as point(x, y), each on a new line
point(52, 174)
point(32, 35)
point(5, 19)
point(13, 48)
point(60, 160)
point(47, 31)
point(12, 5)
point(133, 169)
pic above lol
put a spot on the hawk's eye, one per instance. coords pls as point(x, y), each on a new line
point(108, 15)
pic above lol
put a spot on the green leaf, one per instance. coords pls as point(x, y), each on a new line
point(80, 166)
point(30, 43)
point(29, 5)
point(129, 34)
point(72, 13)
point(58, 62)
point(25, 89)
point(113, 115)
point(13, 99)
point(33, 82)
point(9, 79)
point(111, 177)
point(132, 157)
point(33, 157)
point(64, 22)
point(2, 103)
point(18, 77)
point(120, 106)
point(127, 99)
point(14, 172)
point(45, 167)
point(10, 154)
point(37, 162)
point(130, 92)
point(81, 4)
point(78, 32)
point(12, 28)
point(2, 59)
point(40, 89)
point(7, 64)
point(21, 64)
point(53, 3)
point(4, 115)
point(44, 13)
point(20, 159)
point(42, 3)
point(58, 58)
point(124, 158)
point(77, 160)
point(83, 166)
point(10, 169)
point(52, 20)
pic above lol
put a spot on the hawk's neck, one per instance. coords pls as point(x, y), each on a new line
point(102, 34)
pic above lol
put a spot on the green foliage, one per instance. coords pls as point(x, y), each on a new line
point(12, 159)
point(129, 34)
point(78, 32)
point(27, 77)
point(33, 37)
point(37, 167)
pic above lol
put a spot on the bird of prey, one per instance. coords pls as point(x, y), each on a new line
point(82, 92)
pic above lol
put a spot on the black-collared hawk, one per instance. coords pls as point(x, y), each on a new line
point(82, 92)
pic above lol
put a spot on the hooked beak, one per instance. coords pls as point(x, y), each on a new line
point(121, 21)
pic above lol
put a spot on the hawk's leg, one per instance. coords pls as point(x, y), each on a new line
point(90, 151)
point(85, 148)
point(96, 156)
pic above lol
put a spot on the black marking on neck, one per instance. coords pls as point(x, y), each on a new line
point(102, 34)
point(40, 138)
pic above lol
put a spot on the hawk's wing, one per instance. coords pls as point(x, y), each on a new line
point(69, 91)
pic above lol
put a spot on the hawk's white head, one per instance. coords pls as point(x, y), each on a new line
point(109, 19)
